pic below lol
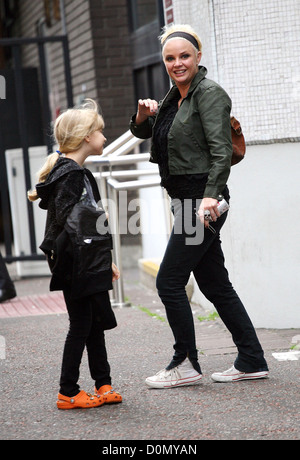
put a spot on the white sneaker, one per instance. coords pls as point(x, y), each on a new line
point(233, 375)
point(182, 375)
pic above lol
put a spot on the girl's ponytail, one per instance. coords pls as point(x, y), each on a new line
point(43, 174)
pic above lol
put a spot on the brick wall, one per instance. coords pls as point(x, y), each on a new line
point(99, 56)
point(110, 32)
point(113, 74)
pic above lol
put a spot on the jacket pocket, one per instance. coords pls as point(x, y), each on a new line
point(94, 255)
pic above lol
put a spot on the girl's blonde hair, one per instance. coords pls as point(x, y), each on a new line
point(70, 130)
point(168, 30)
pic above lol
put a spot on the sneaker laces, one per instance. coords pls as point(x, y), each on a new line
point(171, 374)
point(231, 370)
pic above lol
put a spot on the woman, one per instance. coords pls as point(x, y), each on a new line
point(191, 142)
point(79, 257)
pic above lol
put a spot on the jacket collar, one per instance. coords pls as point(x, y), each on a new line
point(200, 75)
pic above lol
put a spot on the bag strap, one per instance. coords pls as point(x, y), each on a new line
point(236, 126)
point(89, 191)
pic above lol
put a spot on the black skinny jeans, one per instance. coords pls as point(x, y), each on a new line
point(85, 330)
point(206, 261)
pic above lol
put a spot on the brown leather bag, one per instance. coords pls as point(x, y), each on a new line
point(238, 142)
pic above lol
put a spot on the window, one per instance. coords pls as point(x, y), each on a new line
point(142, 12)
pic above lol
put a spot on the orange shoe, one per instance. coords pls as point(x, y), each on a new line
point(82, 400)
point(109, 395)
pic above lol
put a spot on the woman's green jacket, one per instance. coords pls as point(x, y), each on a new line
point(199, 140)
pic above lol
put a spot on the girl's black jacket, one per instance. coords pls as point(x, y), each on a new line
point(79, 256)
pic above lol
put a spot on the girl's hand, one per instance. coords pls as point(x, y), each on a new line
point(146, 108)
point(211, 205)
point(115, 272)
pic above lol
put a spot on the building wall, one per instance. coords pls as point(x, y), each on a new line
point(100, 57)
point(252, 49)
point(112, 63)
point(260, 237)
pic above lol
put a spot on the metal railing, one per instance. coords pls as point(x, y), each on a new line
point(111, 182)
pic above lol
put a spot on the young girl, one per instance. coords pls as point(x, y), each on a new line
point(78, 256)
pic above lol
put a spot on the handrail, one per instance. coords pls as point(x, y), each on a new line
point(115, 145)
point(113, 187)
point(126, 174)
point(121, 146)
point(133, 185)
point(114, 160)
point(118, 154)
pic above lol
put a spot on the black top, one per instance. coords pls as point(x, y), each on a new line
point(183, 186)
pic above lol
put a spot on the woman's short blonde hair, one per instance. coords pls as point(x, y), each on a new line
point(70, 129)
point(168, 30)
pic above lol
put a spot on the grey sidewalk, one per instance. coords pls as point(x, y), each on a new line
point(140, 346)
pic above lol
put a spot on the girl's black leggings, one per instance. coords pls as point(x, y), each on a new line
point(85, 330)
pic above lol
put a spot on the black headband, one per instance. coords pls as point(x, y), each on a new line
point(185, 35)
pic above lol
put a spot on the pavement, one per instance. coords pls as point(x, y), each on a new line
point(33, 327)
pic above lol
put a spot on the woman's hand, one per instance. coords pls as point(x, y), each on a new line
point(115, 272)
point(146, 108)
point(211, 205)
